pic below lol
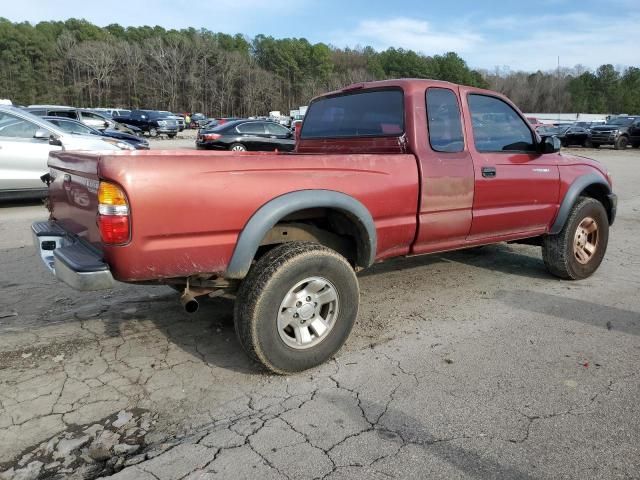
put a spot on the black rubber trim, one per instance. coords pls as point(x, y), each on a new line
point(572, 195)
point(48, 229)
point(613, 205)
point(269, 214)
point(80, 258)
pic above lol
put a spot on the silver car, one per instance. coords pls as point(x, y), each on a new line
point(89, 118)
point(25, 143)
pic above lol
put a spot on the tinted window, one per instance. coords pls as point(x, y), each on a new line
point(92, 116)
point(365, 114)
point(445, 126)
point(275, 129)
point(497, 127)
point(253, 128)
point(63, 113)
point(72, 127)
point(16, 127)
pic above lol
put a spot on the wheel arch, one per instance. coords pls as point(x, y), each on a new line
point(263, 221)
point(590, 185)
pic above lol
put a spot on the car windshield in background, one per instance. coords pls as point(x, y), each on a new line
point(622, 121)
point(554, 130)
point(376, 113)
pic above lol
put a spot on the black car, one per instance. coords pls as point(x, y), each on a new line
point(568, 134)
point(152, 122)
point(73, 126)
point(198, 120)
point(618, 131)
point(242, 135)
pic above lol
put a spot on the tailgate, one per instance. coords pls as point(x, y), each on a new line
point(73, 193)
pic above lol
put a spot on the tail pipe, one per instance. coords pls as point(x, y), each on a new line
point(189, 302)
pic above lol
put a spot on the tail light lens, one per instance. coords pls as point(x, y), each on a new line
point(113, 214)
point(211, 136)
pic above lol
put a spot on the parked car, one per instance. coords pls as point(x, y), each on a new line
point(89, 118)
point(152, 122)
point(618, 131)
point(198, 120)
point(25, 143)
point(372, 178)
point(568, 135)
point(78, 128)
point(243, 135)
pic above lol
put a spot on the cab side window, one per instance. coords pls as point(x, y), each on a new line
point(254, 128)
point(275, 129)
point(497, 127)
point(443, 119)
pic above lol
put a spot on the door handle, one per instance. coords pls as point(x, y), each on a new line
point(488, 172)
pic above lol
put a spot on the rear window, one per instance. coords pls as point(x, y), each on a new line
point(372, 113)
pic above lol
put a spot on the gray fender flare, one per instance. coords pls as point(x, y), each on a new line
point(267, 216)
point(578, 185)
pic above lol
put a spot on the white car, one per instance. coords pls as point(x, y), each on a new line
point(25, 143)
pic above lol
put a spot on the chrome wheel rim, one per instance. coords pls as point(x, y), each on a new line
point(238, 148)
point(585, 240)
point(308, 312)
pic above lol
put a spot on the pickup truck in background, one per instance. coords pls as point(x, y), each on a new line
point(619, 131)
point(381, 170)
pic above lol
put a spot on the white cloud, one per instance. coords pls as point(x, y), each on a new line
point(522, 43)
point(418, 35)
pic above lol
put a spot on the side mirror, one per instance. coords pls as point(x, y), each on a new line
point(41, 134)
point(55, 141)
point(549, 144)
point(106, 124)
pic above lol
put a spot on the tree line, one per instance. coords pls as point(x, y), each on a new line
point(77, 63)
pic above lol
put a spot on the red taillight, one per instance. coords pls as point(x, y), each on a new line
point(113, 214)
point(211, 136)
point(114, 229)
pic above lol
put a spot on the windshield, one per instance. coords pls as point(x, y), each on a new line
point(369, 113)
point(73, 127)
point(553, 130)
point(623, 121)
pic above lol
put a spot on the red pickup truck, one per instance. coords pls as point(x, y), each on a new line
point(381, 170)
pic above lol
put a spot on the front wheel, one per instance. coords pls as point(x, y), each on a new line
point(621, 143)
point(296, 307)
point(238, 147)
point(577, 251)
point(153, 132)
point(171, 135)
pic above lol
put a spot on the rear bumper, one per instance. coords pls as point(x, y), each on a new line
point(70, 259)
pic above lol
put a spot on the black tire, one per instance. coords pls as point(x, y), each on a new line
point(171, 135)
point(621, 143)
point(237, 147)
point(153, 132)
point(262, 292)
point(558, 250)
point(636, 145)
point(595, 145)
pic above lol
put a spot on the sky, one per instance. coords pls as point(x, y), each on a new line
point(510, 34)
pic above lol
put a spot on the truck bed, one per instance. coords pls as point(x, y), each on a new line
point(188, 207)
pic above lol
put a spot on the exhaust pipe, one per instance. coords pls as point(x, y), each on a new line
point(189, 302)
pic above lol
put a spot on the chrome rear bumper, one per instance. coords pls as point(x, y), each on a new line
point(70, 259)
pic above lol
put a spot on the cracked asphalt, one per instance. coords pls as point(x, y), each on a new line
point(472, 364)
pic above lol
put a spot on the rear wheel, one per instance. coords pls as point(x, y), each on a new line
point(577, 251)
point(153, 132)
point(171, 135)
point(296, 307)
point(237, 147)
point(621, 143)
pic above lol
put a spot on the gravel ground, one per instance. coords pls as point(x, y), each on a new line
point(474, 364)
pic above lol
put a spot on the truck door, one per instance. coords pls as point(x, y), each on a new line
point(446, 171)
point(516, 188)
